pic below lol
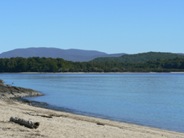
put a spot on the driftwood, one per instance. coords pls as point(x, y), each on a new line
point(29, 124)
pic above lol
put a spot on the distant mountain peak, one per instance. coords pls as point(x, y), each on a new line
point(67, 54)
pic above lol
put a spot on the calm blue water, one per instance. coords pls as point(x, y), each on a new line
point(155, 99)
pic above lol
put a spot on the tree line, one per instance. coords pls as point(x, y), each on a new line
point(37, 64)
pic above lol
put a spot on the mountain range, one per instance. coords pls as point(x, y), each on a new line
point(96, 61)
point(69, 54)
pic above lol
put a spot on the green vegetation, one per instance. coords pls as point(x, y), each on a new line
point(144, 62)
point(140, 58)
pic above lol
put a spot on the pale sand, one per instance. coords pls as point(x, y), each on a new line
point(55, 124)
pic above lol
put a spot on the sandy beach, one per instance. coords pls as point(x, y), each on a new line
point(56, 124)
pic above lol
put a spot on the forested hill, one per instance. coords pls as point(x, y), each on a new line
point(143, 62)
point(140, 58)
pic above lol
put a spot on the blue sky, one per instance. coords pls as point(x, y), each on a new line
point(111, 26)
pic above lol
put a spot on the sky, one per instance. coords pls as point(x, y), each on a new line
point(111, 26)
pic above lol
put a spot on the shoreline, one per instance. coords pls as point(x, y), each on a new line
point(174, 72)
point(65, 125)
point(45, 105)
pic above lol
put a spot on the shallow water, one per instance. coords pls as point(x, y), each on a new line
point(151, 99)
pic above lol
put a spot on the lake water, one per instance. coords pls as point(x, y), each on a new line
point(151, 99)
